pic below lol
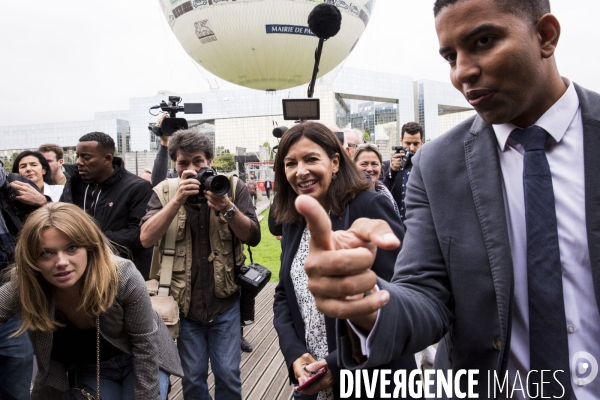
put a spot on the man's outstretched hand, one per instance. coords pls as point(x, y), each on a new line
point(339, 264)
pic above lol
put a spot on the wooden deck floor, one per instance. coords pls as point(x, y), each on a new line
point(264, 374)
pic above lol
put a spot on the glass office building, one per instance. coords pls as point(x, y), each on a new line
point(244, 118)
point(14, 139)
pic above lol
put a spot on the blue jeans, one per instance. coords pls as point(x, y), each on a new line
point(116, 378)
point(219, 340)
point(16, 362)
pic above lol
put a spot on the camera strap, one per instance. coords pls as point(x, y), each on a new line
point(233, 238)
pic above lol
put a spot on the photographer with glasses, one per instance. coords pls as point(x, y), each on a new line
point(211, 229)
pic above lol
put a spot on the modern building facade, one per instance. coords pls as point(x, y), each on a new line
point(245, 118)
point(436, 99)
point(14, 139)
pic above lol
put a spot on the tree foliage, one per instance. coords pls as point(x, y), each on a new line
point(367, 135)
point(224, 163)
point(271, 154)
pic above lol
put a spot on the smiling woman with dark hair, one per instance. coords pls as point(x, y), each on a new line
point(311, 161)
point(33, 165)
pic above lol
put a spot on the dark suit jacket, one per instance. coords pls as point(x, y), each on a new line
point(456, 282)
point(393, 185)
point(288, 320)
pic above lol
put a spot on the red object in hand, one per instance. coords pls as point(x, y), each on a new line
point(318, 375)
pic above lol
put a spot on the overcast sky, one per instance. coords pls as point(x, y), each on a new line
point(63, 61)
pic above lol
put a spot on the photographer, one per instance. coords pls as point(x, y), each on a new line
point(412, 139)
point(203, 270)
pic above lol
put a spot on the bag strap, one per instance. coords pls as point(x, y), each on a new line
point(233, 179)
point(250, 254)
point(166, 267)
point(98, 357)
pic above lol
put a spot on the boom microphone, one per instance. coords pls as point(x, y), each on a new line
point(324, 21)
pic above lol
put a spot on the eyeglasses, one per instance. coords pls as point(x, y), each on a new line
point(352, 145)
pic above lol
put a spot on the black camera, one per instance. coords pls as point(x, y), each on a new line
point(209, 180)
point(406, 161)
point(253, 278)
point(397, 149)
point(171, 125)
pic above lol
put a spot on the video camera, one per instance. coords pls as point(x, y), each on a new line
point(172, 124)
point(398, 149)
point(209, 180)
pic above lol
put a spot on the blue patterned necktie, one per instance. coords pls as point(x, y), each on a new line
point(548, 343)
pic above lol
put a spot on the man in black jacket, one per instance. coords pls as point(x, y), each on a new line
point(115, 197)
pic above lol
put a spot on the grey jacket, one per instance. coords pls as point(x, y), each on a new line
point(455, 283)
point(131, 325)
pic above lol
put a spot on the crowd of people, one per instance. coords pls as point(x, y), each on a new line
point(485, 240)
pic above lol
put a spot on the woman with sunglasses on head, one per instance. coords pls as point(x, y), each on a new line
point(86, 311)
point(311, 161)
point(368, 159)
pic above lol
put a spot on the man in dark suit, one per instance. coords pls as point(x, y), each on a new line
point(411, 139)
point(480, 225)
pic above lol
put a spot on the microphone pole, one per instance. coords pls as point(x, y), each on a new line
point(311, 86)
point(324, 22)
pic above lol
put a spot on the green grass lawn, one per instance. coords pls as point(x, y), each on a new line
point(268, 250)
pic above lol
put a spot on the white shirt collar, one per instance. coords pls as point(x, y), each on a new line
point(555, 120)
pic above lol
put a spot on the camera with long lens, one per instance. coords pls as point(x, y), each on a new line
point(406, 161)
point(209, 180)
point(172, 124)
point(398, 149)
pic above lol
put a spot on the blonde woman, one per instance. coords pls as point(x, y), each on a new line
point(65, 283)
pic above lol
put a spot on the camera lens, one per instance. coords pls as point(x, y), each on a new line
point(219, 184)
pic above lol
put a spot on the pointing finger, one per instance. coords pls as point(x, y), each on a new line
point(317, 220)
point(376, 231)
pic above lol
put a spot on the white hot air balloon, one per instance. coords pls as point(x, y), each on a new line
point(262, 44)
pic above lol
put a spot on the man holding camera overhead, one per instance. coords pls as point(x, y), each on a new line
point(203, 267)
point(412, 139)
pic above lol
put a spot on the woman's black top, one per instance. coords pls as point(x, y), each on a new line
point(73, 345)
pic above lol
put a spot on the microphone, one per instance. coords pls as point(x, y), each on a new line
point(325, 21)
point(155, 107)
point(279, 131)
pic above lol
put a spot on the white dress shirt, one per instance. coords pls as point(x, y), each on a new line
point(53, 191)
point(564, 152)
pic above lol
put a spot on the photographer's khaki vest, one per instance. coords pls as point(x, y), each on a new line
point(221, 252)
